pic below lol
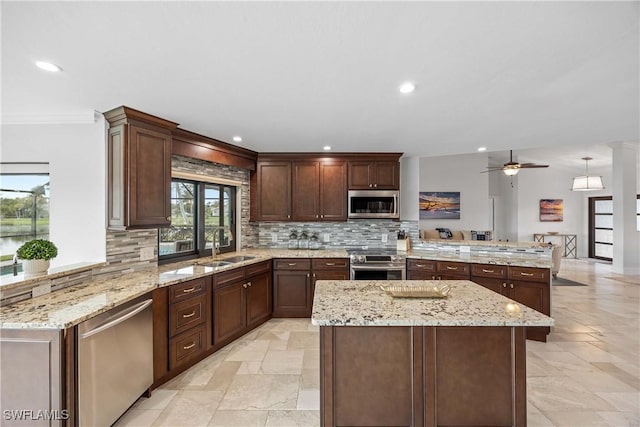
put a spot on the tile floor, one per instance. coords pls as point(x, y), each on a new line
point(587, 374)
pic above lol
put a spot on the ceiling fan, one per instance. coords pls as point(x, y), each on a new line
point(511, 168)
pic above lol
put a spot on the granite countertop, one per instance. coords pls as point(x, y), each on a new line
point(70, 306)
point(363, 303)
point(480, 257)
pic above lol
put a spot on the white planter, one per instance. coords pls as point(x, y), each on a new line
point(35, 267)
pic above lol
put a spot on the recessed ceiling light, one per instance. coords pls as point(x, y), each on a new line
point(327, 148)
point(48, 66)
point(482, 148)
point(407, 87)
point(237, 139)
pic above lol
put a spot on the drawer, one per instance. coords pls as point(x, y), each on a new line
point(258, 268)
point(292, 264)
point(186, 290)
point(329, 263)
point(187, 314)
point(489, 270)
point(226, 277)
point(421, 265)
point(187, 346)
point(527, 274)
point(457, 268)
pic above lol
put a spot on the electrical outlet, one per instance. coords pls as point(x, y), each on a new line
point(274, 237)
point(146, 253)
point(41, 290)
point(326, 237)
point(385, 237)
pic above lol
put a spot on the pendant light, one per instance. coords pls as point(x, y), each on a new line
point(586, 182)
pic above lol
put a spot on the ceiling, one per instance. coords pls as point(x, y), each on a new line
point(295, 76)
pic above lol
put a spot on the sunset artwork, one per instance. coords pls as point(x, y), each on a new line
point(439, 205)
point(551, 210)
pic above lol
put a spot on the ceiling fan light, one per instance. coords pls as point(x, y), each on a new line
point(587, 183)
point(510, 171)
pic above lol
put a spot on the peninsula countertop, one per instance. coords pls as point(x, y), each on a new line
point(364, 303)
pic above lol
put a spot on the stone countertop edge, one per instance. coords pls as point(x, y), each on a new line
point(70, 306)
point(516, 260)
point(11, 282)
point(364, 303)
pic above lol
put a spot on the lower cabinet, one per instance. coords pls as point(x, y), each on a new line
point(527, 285)
point(294, 282)
point(418, 269)
point(241, 304)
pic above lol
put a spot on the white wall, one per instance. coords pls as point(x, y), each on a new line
point(76, 156)
point(458, 173)
point(409, 188)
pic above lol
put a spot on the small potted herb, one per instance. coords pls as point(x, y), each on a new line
point(36, 254)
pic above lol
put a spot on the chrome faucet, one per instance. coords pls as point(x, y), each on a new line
point(215, 250)
point(15, 264)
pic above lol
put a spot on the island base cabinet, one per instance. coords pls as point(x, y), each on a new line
point(422, 376)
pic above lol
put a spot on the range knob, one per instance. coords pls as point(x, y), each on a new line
point(361, 258)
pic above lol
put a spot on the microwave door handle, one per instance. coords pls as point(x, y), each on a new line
point(395, 203)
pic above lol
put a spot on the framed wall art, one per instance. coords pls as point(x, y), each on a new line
point(551, 210)
point(439, 205)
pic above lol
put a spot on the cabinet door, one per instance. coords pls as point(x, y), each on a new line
point(531, 294)
point(459, 270)
point(361, 175)
point(229, 312)
point(496, 285)
point(273, 191)
point(420, 275)
point(450, 276)
point(333, 191)
point(387, 176)
point(291, 293)
point(305, 191)
point(258, 299)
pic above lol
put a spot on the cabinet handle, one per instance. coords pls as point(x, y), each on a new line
point(375, 185)
point(511, 285)
point(249, 284)
point(168, 218)
point(329, 263)
point(291, 264)
point(504, 285)
point(244, 285)
point(321, 216)
point(186, 316)
point(451, 268)
point(433, 277)
point(187, 347)
point(308, 275)
point(526, 274)
point(314, 275)
point(316, 216)
point(370, 185)
point(288, 216)
point(191, 289)
point(420, 265)
point(488, 271)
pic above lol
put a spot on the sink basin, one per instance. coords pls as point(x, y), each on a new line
point(215, 263)
point(238, 258)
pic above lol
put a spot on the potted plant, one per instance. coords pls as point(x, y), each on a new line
point(36, 254)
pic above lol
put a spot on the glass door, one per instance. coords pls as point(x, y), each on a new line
point(601, 228)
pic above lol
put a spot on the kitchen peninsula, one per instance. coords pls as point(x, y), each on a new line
point(418, 361)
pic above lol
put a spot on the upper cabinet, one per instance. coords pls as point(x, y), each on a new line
point(374, 175)
point(299, 190)
point(313, 187)
point(139, 170)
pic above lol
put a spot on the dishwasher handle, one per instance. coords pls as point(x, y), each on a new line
point(124, 315)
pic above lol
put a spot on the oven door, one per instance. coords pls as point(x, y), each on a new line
point(377, 272)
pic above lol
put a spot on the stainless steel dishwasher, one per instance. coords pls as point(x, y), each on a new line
point(115, 361)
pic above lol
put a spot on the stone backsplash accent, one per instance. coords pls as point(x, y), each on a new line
point(353, 233)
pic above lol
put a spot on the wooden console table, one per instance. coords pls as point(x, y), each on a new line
point(569, 243)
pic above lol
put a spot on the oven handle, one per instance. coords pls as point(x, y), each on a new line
point(378, 267)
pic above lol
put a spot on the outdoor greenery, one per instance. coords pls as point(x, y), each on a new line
point(37, 249)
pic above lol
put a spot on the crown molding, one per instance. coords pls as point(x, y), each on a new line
point(85, 117)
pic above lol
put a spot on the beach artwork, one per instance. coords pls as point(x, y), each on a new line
point(551, 210)
point(439, 205)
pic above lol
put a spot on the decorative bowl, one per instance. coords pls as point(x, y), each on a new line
point(418, 291)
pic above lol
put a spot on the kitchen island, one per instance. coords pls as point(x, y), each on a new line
point(421, 362)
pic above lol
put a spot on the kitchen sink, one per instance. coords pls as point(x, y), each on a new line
point(238, 258)
point(215, 264)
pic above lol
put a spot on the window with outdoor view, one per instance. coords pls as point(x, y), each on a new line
point(198, 211)
point(24, 213)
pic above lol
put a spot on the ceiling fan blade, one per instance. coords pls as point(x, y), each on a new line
point(532, 165)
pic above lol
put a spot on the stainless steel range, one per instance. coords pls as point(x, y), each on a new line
point(377, 264)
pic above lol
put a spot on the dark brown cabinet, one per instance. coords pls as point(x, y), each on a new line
point(526, 285)
point(378, 175)
point(294, 282)
point(271, 189)
point(419, 269)
point(241, 301)
point(139, 170)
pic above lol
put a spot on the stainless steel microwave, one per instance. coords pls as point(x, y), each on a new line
point(374, 204)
